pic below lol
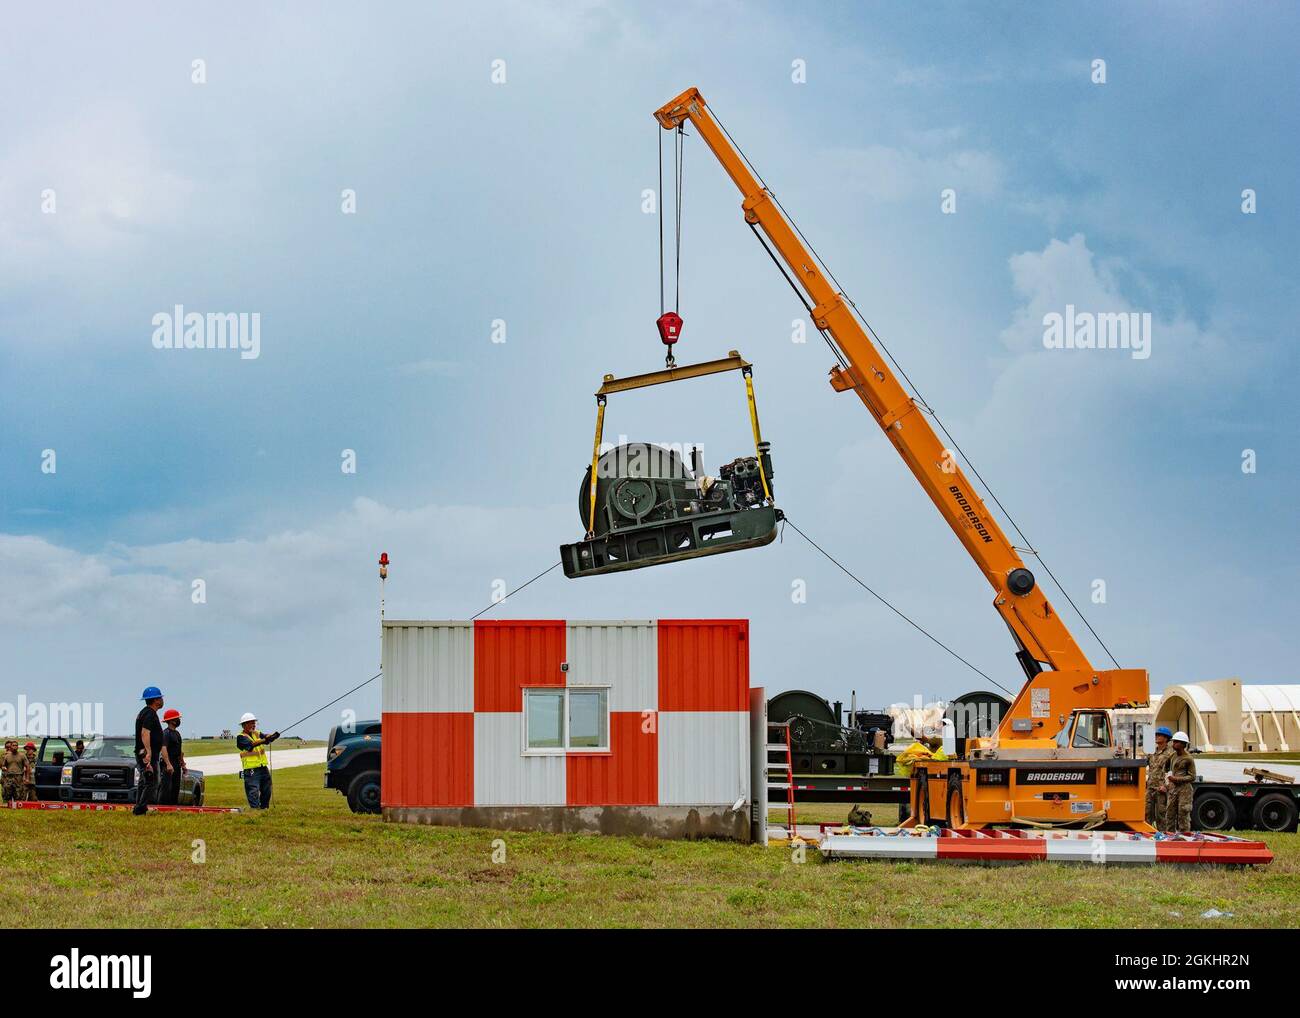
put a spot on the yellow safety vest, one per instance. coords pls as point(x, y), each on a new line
point(256, 758)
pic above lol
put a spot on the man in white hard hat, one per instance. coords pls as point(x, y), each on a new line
point(254, 762)
point(1179, 779)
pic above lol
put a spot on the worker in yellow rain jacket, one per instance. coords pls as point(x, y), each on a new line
point(928, 747)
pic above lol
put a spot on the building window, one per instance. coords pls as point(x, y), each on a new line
point(544, 719)
point(560, 720)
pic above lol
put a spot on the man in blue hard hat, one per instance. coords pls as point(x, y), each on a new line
point(150, 751)
point(1157, 769)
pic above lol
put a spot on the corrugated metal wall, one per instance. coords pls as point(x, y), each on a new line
point(512, 654)
point(454, 723)
point(428, 759)
point(503, 776)
point(628, 775)
point(621, 655)
point(429, 666)
point(704, 664)
point(703, 758)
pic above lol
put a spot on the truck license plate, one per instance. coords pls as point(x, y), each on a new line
point(99, 796)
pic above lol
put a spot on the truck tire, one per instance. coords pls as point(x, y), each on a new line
point(1213, 811)
point(363, 793)
point(198, 795)
point(1275, 812)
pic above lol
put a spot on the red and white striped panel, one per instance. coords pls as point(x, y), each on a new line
point(1099, 848)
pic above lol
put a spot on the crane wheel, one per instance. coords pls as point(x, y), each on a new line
point(956, 803)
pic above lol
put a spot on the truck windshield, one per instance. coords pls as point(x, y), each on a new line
point(110, 749)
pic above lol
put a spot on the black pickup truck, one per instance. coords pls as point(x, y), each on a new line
point(107, 772)
point(52, 753)
point(352, 764)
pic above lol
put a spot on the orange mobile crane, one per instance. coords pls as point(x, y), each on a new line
point(1053, 760)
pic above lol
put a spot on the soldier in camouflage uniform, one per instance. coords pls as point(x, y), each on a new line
point(1157, 768)
point(29, 780)
point(1182, 773)
point(14, 768)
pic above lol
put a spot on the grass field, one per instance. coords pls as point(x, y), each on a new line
point(309, 862)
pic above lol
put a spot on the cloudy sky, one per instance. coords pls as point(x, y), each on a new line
point(127, 188)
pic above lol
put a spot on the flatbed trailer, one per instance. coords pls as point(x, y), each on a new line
point(1216, 805)
point(851, 788)
point(1245, 805)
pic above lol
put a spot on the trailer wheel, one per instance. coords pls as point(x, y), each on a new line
point(1275, 812)
point(1213, 811)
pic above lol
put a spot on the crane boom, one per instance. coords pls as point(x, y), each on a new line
point(1040, 634)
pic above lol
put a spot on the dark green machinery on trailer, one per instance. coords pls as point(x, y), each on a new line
point(651, 508)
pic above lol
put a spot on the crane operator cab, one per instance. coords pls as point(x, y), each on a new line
point(1088, 729)
point(644, 505)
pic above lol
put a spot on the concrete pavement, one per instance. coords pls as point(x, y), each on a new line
point(228, 763)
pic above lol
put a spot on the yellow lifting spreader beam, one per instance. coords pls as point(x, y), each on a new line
point(732, 362)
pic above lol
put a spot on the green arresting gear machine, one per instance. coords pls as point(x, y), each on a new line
point(644, 505)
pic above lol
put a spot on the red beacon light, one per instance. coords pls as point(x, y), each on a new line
point(383, 565)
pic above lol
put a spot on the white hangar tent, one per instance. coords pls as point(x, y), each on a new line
point(1226, 716)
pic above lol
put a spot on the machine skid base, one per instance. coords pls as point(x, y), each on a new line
point(671, 541)
point(987, 846)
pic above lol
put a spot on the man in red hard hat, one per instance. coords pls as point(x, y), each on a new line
point(170, 794)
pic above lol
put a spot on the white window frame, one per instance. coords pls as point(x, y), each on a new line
point(564, 748)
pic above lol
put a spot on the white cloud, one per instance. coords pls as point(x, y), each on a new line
point(111, 184)
point(305, 577)
point(1069, 273)
point(885, 173)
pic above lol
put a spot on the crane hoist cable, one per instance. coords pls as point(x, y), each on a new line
point(669, 323)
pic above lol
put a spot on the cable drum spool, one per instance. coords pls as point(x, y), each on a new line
point(632, 480)
point(975, 715)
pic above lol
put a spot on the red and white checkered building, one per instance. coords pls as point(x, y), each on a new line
point(461, 743)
